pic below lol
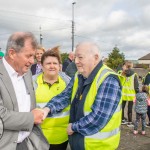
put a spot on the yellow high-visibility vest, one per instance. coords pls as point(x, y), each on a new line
point(128, 91)
point(108, 138)
point(54, 128)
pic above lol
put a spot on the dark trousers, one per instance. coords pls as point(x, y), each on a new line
point(22, 146)
point(130, 106)
point(143, 118)
point(148, 113)
point(62, 146)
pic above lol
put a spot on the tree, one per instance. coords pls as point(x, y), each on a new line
point(64, 56)
point(115, 59)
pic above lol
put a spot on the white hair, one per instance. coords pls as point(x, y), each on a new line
point(93, 48)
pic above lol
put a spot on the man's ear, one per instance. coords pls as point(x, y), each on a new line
point(96, 57)
point(12, 53)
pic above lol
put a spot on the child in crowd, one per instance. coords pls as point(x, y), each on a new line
point(141, 109)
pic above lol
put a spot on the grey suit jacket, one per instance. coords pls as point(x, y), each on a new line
point(15, 121)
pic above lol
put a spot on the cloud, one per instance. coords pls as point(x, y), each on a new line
point(125, 24)
point(139, 39)
point(118, 20)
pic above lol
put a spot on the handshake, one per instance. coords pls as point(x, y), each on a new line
point(40, 114)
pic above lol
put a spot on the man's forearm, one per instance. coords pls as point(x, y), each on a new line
point(46, 111)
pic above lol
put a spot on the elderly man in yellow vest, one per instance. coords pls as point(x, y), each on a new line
point(95, 98)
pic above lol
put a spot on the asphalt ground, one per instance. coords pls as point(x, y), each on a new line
point(129, 141)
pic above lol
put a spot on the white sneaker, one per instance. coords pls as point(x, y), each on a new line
point(130, 124)
point(124, 122)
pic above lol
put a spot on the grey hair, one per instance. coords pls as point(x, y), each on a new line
point(93, 48)
point(17, 41)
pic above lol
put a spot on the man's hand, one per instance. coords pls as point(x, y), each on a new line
point(38, 115)
point(69, 129)
point(46, 110)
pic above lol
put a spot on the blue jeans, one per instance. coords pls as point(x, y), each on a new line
point(143, 118)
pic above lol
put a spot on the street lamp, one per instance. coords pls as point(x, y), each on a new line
point(41, 37)
point(73, 25)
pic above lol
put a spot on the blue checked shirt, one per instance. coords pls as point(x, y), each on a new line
point(104, 106)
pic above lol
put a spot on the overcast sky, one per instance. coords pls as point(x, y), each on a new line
point(110, 23)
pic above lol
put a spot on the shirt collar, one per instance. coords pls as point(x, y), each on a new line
point(41, 80)
point(10, 69)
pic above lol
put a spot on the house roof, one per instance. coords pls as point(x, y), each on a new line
point(146, 57)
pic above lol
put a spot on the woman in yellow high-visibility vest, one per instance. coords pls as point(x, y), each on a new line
point(48, 84)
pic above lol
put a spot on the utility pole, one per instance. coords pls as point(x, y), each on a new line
point(73, 25)
point(41, 37)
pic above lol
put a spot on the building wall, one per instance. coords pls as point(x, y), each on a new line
point(144, 62)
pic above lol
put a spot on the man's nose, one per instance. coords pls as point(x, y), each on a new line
point(76, 60)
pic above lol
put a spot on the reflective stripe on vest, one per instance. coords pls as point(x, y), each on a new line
point(128, 94)
point(104, 135)
point(41, 105)
point(58, 115)
point(102, 74)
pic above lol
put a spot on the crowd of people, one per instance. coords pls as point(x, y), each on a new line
point(46, 104)
point(136, 95)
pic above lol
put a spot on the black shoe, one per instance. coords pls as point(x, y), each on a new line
point(125, 119)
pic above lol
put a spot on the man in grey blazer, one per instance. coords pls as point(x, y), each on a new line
point(17, 99)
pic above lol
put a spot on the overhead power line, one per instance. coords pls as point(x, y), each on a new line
point(33, 15)
point(37, 31)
